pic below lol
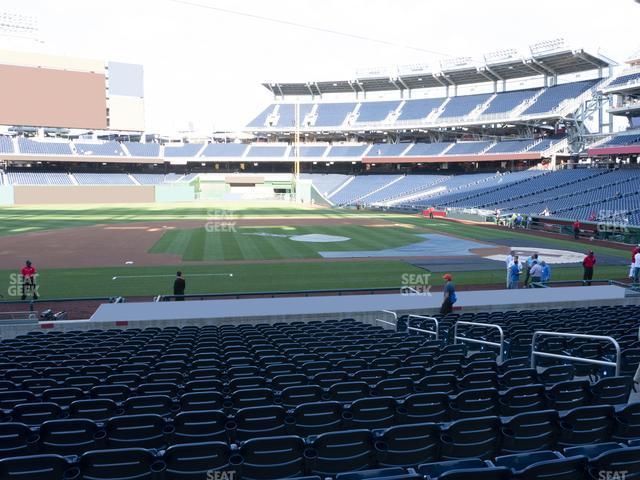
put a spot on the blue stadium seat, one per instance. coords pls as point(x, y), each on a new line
point(407, 445)
point(200, 426)
point(197, 460)
point(522, 399)
point(17, 439)
point(255, 422)
point(120, 464)
point(316, 417)
point(70, 437)
point(38, 467)
point(131, 431)
point(627, 423)
point(584, 425)
point(529, 432)
point(344, 451)
point(272, 457)
point(618, 460)
point(98, 409)
point(291, 397)
point(475, 437)
point(474, 403)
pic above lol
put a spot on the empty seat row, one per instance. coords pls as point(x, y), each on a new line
point(349, 455)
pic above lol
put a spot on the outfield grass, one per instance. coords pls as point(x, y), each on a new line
point(23, 219)
point(247, 277)
point(267, 243)
point(55, 283)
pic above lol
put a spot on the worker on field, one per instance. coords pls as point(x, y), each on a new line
point(28, 279)
point(179, 286)
point(449, 295)
point(588, 263)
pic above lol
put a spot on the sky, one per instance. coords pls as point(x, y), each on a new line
point(204, 60)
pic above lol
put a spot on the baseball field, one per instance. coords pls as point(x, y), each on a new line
point(135, 250)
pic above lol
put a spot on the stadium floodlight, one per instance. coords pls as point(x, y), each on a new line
point(548, 46)
point(456, 63)
point(19, 25)
point(499, 56)
point(416, 68)
point(376, 72)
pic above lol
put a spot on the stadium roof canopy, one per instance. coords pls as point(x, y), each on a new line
point(550, 58)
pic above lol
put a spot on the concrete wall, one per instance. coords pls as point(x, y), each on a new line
point(6, 195)
point(175, 193)
point(53, 194)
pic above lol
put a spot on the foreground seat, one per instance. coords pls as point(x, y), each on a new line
point(272, 457)
point(195, 460)
point(407, 445)
point(336, 452)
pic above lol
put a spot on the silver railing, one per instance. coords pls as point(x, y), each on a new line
point(421, 330)
point(535, 353)
point(388, 312)
point(500, 345)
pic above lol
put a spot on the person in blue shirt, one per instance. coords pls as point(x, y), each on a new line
point(514, 271)
point(546, 272)
point(449, 295)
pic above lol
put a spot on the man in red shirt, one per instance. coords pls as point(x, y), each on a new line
point(576, 229)
point(588, 263)
point(28, 274)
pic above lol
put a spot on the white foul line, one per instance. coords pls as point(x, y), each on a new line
point(159, 276)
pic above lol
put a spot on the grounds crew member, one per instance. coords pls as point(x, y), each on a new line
point(28, 277)
point(179, 285)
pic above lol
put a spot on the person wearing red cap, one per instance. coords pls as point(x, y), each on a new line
point(449, 295)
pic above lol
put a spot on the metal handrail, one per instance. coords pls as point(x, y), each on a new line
point(428, 332)
point(612, 340)
point(389, 312)
point(481, 342)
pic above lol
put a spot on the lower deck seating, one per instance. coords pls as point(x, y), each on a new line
point(320, 399)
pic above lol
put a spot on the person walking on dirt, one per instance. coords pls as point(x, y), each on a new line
point(449, 295)
point(179, 286)
point(588, 263)
point(28, 277)
point(576, 229)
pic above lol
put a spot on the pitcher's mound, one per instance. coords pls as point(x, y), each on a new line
point(318, 238)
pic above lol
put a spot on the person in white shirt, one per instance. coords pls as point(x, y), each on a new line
point(636, 268)
point(536, 274)
point(509, 262)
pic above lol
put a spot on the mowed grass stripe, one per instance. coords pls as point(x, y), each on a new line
point(195, 246)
